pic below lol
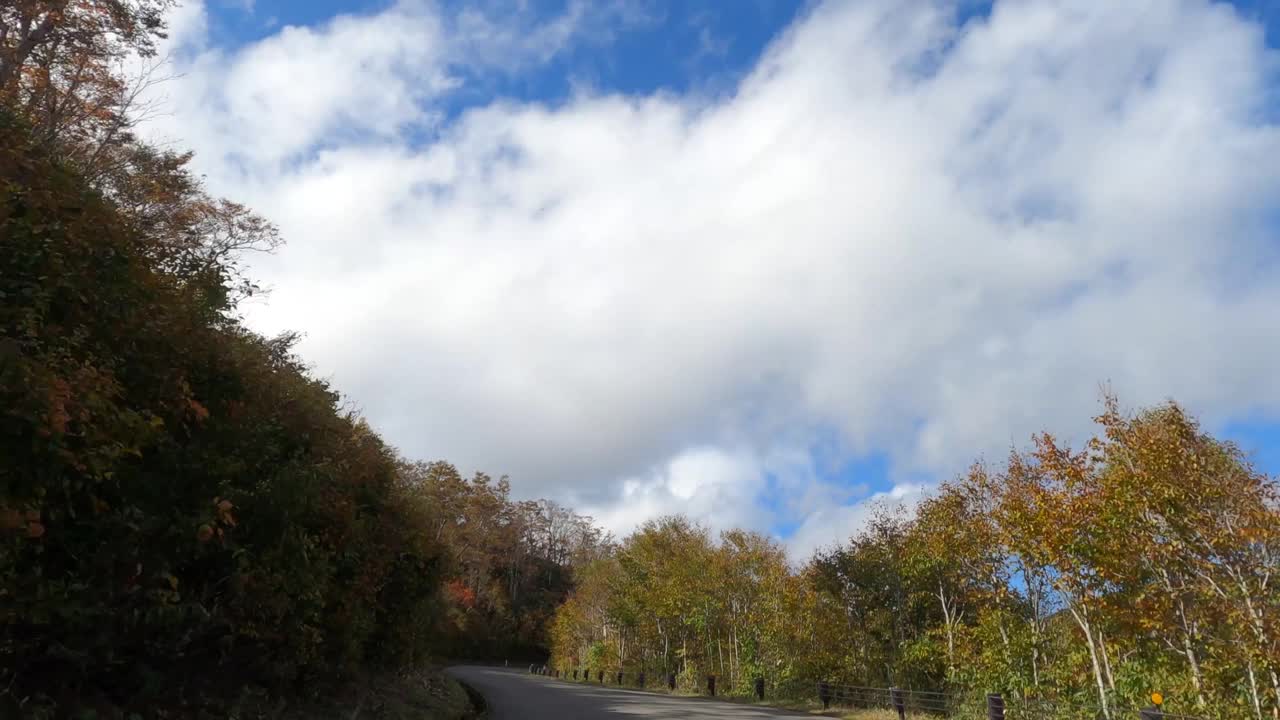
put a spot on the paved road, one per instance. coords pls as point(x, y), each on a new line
point(513, 694)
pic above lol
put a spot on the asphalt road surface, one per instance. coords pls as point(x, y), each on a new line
point(513, 694)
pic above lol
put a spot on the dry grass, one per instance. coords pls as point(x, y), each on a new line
point(814, 708)
point(871, 715)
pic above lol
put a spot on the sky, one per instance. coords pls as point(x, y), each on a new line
point(765, 263)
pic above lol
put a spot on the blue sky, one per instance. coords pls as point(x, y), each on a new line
point(700, 44)
point(762, 262)
point(703, 45)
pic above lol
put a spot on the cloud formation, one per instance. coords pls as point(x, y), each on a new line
point(924, 239)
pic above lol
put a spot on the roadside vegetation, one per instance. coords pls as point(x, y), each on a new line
point(1074, 580)
point(191, 524)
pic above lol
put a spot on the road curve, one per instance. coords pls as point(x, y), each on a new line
point(514, 694)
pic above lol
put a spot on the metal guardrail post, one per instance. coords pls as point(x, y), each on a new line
point(995, 707)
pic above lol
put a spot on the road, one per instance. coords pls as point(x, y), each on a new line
point(513, 694)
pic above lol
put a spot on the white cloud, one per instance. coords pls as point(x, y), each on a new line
point(705, 483)
point(830, 526)
point(932, 239)
point(186, 29)
point(355, 79)
point(724, 488)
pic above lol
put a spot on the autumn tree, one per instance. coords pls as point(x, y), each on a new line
point(1074, 581)
point(78, 73)
point(179, 501)
point(63, 67)
point(510, 563)
point(188, 519)
point(1192, 539)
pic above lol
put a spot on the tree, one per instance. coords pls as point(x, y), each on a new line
point(95, 30)
point(179, 498)
point(1196, 539)
point(63, 68)
point(1073, 581)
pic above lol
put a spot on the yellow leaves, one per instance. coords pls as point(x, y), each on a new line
point(1157, 698)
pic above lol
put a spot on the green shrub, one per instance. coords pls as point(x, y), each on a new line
point(183, 510)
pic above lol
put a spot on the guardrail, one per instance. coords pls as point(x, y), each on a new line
point(922, 704)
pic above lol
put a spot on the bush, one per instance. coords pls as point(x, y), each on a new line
point(183, 510)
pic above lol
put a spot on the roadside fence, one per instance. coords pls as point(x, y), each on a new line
point(905, 703)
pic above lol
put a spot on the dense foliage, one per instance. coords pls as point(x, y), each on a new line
point(177, 496)
point(1143, 562)
point(189, 522)
point(512, 563)
point(185, 510)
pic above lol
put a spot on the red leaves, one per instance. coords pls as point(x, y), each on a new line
point(10, 519)
point(59, 397)
point(460, 594)
point(29, 522)
point(198, 411)
point(222, 518)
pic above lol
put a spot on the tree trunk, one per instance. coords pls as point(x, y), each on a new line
point(948, 620)
point(1081, 617)
point(1260, 633)
point(1106, 660)
point(1197, 677)
point(1253, 692)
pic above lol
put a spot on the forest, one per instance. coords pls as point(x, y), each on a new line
point(1078, 581)
point(192, 524)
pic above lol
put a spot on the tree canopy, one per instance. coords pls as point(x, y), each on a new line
point(189, 521)
point(192, 525)
point(1086, 578)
